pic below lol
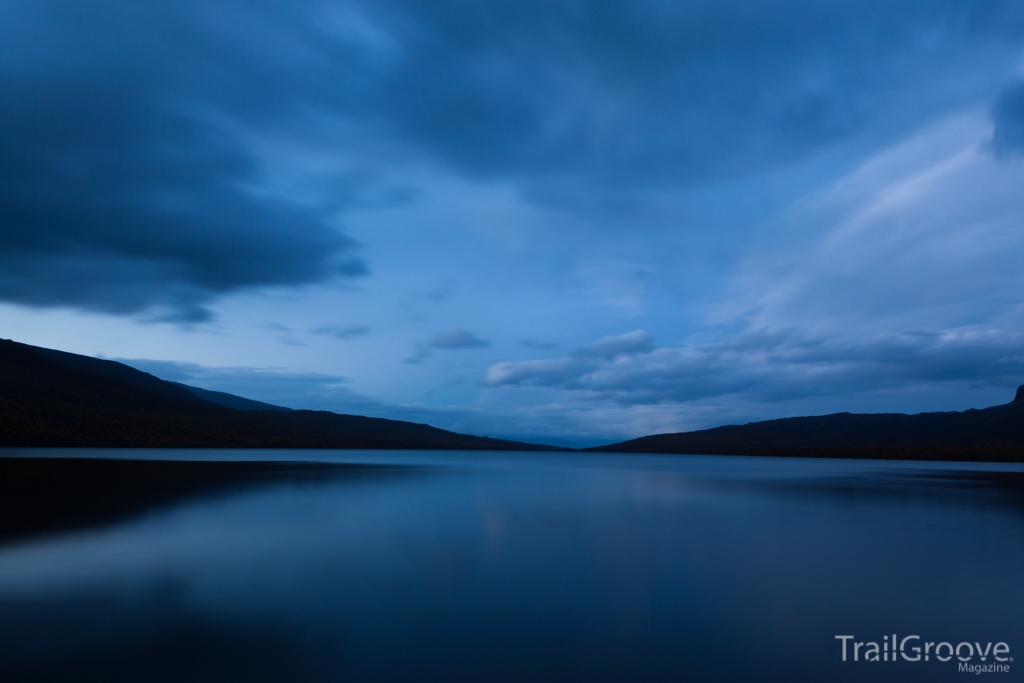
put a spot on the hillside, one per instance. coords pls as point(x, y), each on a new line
point(57, 399)
point(991, 434)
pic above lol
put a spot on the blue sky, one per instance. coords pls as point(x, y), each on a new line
point(568, 221)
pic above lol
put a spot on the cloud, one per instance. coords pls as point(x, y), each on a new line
point(342, 331)
point(109, 201)
point(615, 346)
point(452, 338)
point(925, 235)
point(123, 184)
point(629, 92)
point(448, 339)
point(158, 156)
point(568, 370)
point(1008, 120)
point(615, 161)
point(418, 357)
point(905, 273)
point(767, 365)
point(532, 343)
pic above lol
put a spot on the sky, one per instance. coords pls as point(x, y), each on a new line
point(551, 220)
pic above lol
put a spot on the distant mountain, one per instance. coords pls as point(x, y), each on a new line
point(991, 434)
point(53, 398)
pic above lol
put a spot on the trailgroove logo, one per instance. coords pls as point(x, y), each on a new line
point(913, 649)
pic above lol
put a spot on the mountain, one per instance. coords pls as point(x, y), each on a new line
point(59, 399)
point(991, 434)
point(54, 398)
point(230, 400)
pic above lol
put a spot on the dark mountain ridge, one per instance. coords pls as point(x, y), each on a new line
point(57, 399)
point(989, 434)
point(230, 400)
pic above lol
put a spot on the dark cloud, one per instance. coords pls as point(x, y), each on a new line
point(1008, 120)
point(108, 202)
point(134, 169)
point(118, 193)
point(452, 338)
point(771, 366)
point(614, 93)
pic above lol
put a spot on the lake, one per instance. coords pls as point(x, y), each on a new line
point(497, 566)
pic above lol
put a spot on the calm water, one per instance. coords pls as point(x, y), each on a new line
point(523, 567)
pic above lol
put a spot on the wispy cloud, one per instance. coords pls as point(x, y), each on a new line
point(452, 338)
point(1008, 119)
point(904, 273)
point(418, 356)
point(535, 344)
point(342, 331)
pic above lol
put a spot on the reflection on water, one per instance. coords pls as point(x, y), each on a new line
point(390, 566)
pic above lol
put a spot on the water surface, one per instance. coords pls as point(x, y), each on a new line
point(455, 566)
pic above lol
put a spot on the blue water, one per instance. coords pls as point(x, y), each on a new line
point(448, 566)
